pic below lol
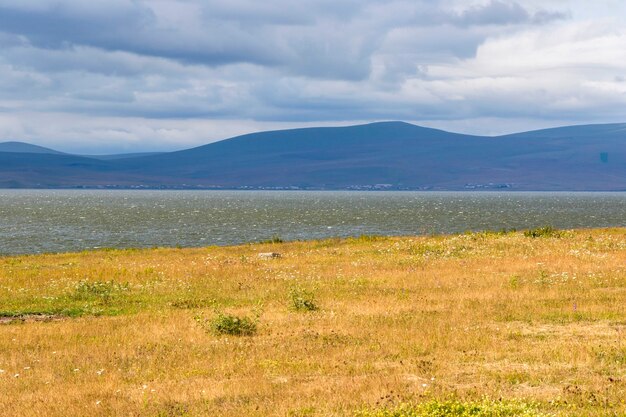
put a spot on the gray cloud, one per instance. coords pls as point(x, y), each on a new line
point(211, 33)
point(278, 63)
point(316, 38)
point(498, 12)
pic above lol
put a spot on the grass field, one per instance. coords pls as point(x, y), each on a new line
point(480, 324)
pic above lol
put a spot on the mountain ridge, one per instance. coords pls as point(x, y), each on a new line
point(24, 147)
point(388, 155)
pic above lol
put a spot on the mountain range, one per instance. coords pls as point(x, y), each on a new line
point(385, 155)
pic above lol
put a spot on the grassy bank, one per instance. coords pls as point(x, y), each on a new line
point(484, 324)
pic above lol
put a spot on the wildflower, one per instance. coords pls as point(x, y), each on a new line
point(98, 402)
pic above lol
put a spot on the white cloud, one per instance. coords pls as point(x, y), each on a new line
point(84, 134)
point(164, 74)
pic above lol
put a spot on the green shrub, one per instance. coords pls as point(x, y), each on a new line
point(273, 239)
point(546, 231)
point(226, 324)
point(302, 300)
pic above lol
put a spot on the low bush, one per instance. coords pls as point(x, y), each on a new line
point(226, 324)
point(546, 231)
point(302, 300)
point(273, 239)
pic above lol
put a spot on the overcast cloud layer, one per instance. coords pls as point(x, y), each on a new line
point(131, 75)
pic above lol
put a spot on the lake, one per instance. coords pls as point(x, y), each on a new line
point(35, 221)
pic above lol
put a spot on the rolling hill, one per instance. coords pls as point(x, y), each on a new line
point(22, 147)
point(387, 155)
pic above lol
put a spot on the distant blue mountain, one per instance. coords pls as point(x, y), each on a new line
point(21, 147)
point(122, 155)
point(388, 155)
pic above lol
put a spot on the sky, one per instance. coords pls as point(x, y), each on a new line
point(109, 76)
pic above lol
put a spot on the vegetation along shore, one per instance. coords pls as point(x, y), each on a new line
point(475, 324)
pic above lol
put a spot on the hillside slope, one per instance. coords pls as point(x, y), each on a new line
point(392, 155)
point(23, 147)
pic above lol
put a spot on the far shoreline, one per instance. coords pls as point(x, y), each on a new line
point(314, 190)
point(268, 243)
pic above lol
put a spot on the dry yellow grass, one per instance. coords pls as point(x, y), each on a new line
point(399, 320)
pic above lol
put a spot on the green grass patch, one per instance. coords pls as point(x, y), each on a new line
point(103, 291)
point(613, 355)
point(454, 408)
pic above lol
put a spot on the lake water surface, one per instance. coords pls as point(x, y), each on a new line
point(34, 221)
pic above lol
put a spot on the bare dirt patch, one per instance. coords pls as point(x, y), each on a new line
point(30, 318)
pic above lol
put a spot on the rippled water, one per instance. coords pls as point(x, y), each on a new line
point(33, 221)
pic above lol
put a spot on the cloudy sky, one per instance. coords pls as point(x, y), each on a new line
point(104, 76)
